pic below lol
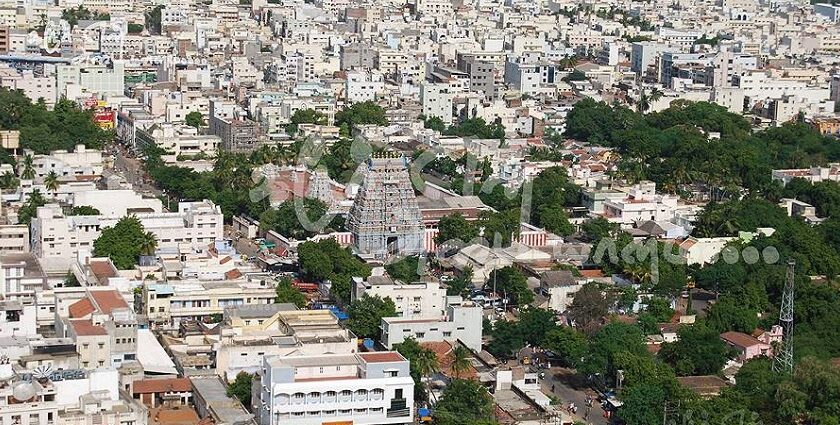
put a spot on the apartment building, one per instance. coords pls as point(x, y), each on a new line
point(251, 332)
point(460, 322)
point(21, 276)
point(34, 87)
point(437, 100)
point(18, 318)
point(529, 77)
point(98, 79)
point(57, 235)
point(80, 162)
point(103, 326)
point(236, 132)
point(14, 239)
point(412, 299)
point(194, 299)
point(364, 388)
point(68, 396)
point(180, 139)
point(640, 203)
point(362, 86)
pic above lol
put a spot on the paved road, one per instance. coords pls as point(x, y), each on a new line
point(132, 170)
point(569, 389)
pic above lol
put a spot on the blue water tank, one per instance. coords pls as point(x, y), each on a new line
point(368, 343)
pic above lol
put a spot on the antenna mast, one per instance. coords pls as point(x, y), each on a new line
point(783, 360)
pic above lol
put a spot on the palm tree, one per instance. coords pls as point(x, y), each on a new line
point(51, 182)
point(28, 172)
point(148, 244)
point(9, 181)
point(643, 104)
point(427, 364)
point(460, 357)
point(655, 94)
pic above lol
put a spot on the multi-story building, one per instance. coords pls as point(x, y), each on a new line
point(363, 86)
point(411, 299)
point(250, 332)
point(193, 299)
point(14, 239)
point(236, 132)
point(57, 235)
point(80, 162)
point(364, 388)
point(103, 326)
point(461, 322)
point(21, 276)
point(97, 79)
point(528, 77)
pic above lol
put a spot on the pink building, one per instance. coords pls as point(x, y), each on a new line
point(748, 346)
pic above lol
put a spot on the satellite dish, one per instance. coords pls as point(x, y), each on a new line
point(24, 391)
point(43, 372)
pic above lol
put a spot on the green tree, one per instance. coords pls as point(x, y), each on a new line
point(454, 227)
point(434, 123)
point(464, 403)
point(194, 119)
point(30, 208)
point(84, 210)
point(361, 114)
point(28, 171)
point(285, 220)
point(287, 293)
point(461, 284)
point(730, 314)
point(153, 19)
point(506, 340)
point(325, 260)
point(534, 323)
point(305, 116)
point(8, 181)
point(509, 280)
point(588, 308)
point(567, 343)
point(123, 243)
point(70, 280)
point(699, 351)
point(460, 360)
point(422, 363)
point(366, 315)
point(406, 269)
point(605, 347)
point(241, 388)
point(500, 227)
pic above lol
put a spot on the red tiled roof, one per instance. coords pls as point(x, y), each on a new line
point(102, 270)
point(148, 386)
point(233, 274)
point(382, 357)
point(225, 260)
point(108, 300)
point(87, 328)
point(740, 339)
point(81, 308)
point(592, 273)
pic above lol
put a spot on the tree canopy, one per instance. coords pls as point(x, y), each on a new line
point(325, 260)
point(124, 242)
point(287, 293)
point(366, 315)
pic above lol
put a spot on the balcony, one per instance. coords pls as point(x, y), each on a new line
point(398, 408)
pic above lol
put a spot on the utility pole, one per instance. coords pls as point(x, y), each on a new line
point(783, 359)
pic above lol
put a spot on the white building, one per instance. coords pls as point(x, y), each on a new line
point(462, 322)
point(96, 79)
point(18, 318)
point(559, 286)
point(364, 388)
point(80, 162)
point(417, 299)
point(641, 203)
point(362, 86)
point(57, 235)
point(436, 99)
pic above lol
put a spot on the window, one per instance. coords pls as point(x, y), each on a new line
point(419, 335)
point(447, 334)
point(393, 373)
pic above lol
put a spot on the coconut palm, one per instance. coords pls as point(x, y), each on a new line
point(427, 364)
point(148, 244)
point(28, 171)
point(9, 181)
point(460, 358)
point(655, 94)
point(51, 182)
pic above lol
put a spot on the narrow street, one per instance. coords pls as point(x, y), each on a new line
point(570, 389)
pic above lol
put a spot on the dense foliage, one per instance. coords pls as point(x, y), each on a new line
point(42, 130)
point(366, 315)
point(125, 242)
point(287, 293)
point(326, 260)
